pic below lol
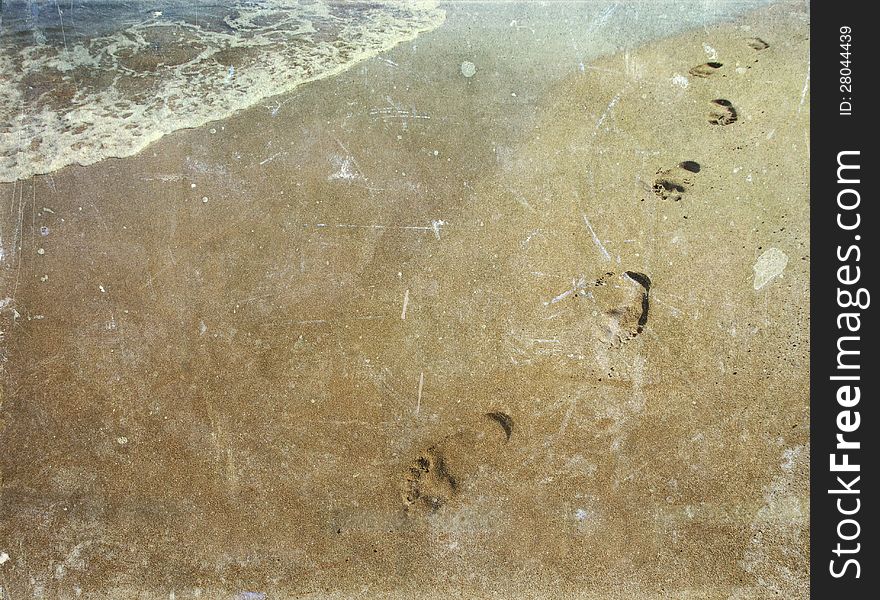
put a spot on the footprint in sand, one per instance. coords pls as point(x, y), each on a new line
point(428, 481)
point(628, 319)
point(440, 473)
point(706, 69)
point(644, 281)
point(757, 43)
point(626, 298)
point(722, 112)
point(672, 184)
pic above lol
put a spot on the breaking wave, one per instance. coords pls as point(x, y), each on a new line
point(122, 81)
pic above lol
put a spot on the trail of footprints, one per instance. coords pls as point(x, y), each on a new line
point(435, 478)
point(439, 474)
point(673, 184)
point(722, 112)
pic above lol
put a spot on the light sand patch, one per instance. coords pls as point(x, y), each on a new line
point(769, 265)
point(680, 80)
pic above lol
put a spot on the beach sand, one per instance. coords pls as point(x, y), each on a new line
point(406, 333)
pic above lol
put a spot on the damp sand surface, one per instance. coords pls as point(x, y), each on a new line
point(410, 332)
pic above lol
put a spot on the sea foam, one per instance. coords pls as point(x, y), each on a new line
point(77, 100)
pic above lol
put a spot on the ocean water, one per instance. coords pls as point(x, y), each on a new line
point(83, 80)
point(87, 79)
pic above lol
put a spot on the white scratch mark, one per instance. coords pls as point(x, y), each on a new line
point(392, 113)
point(563, 425)
point(806, 87)
point(273, 110)
point(603, 17)
point(576, 286)
point(405, 304)
point(560, 297)
point(345, 164)
point(270, 159)
point(344, 169)
point(596, 238)
point(608, 109)
point(525, 243)
point(421, 385)
point(436, 225)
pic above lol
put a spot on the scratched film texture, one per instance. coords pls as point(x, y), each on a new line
point(315, 299)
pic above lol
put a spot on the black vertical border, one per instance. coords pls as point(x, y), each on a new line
point(830, 134)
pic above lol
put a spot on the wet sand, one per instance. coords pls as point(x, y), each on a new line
point(405, 332)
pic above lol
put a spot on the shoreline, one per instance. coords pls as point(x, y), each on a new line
point(94, 155)
point(97, 119)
